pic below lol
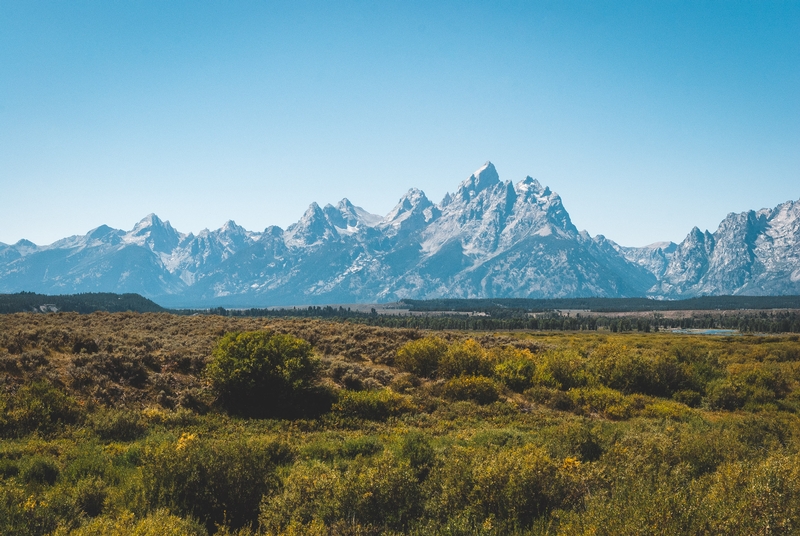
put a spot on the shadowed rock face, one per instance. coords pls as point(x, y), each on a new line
point(489, 238)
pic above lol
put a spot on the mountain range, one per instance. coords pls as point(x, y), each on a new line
point(488, 239)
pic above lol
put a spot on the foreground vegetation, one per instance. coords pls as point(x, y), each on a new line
point(162, 424)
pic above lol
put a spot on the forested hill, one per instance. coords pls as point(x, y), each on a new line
point(496, 307)
point(25, 302)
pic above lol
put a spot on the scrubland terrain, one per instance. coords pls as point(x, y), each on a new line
point(125, 423)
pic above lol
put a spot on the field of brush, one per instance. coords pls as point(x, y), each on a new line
point(152, 424)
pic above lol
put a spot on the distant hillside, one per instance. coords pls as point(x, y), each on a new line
point(89, 302)
point(496, 307)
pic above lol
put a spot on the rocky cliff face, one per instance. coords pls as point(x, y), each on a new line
point(752, 253)
point(487, 239)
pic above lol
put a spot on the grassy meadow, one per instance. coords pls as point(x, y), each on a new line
point(151, 424)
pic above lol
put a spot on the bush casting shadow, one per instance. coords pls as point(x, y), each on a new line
point(264, 374)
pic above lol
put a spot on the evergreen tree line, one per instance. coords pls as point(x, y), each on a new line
point(84, 303)
point(745, 322)
point(503, 307)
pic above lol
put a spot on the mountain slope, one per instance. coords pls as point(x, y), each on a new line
point(750, 253)
point(488, 239)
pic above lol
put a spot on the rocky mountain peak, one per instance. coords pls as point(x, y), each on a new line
point(232, 236)
point(412, 211)
point(149, 221)
point(488, 239)
point(484, 178)
point(529, 186)
point(100, 232)
point(24, 243)
point(154, 233)
point(312, 229)
point(272, 233)
point(230, 226)
point(105, 234)
point(345, 205)
point(346, 216)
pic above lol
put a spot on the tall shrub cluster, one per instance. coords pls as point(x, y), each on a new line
point(261, 373)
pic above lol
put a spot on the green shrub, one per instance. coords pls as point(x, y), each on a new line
point(87, 460)
point(260, 373)
point(763, 431)
point(90, 496)
point(688, 397)
point(8, 468)
point(421, 357)
point(562, 369)
point(749, 497)
point(761, 384)
point(309, 493)
point(624, 369)
point(606, 401)
point(118, 425)
point(700, 366)
point(159, 523)
point(417, 449)
point(516, 485)
point(639, 504)
point(515, 368)
point(361, 446)
point(403, 383)
point(632, 371)
point(372, 405)
point(476, 388)
point(467, 358)
point(329, 448)
point(552, 398)
point(750, 387)
point(507, 488)
point(40, 470)
point(574, 439)
point(39, 407)
point(376, 493)
point(381, 492)
point(23, 513)
point(216, 481)
point(723, 394)
point(755, 497)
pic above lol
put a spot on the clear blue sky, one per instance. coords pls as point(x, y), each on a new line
point(647, 117)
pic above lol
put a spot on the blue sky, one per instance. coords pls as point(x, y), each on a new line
point(646, 117)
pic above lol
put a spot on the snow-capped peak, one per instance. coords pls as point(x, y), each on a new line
point(483, 178)
point(412, 202)
point(230, 226)
point(348, 217)
point(151, 231)
point(413, 211)
point(151, 220)
point(529, 184)
point(312, 229)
